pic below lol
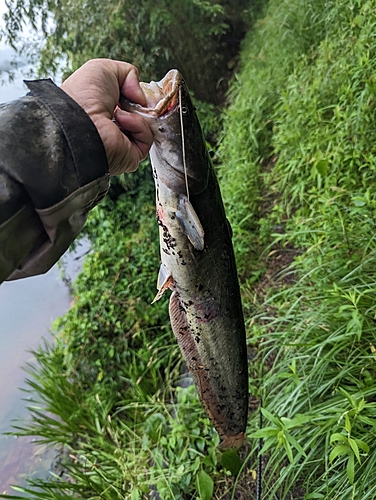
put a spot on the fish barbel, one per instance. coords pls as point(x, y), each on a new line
point(198, 262)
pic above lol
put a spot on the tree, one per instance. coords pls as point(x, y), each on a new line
point(199, 37)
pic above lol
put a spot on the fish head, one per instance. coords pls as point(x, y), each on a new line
point(179, 154)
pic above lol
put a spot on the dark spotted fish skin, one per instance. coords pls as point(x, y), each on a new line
point(198, 265)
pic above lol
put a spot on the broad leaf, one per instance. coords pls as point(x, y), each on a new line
point(205, 485)
point(354, 448)
point(339, 450)
point(231, 461)
point(338, 437)
point(271, 417)
point(350, 468)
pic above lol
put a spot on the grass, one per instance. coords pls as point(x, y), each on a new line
point(308, 192)
point(318, 381)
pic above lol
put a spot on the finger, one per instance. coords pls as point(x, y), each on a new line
point(140, 134)
point(128, 150)
point(128, 158)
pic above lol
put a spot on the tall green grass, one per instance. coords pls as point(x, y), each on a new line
point(298, 176)
point(289, 31)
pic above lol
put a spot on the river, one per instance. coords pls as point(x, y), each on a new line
point(27, 309)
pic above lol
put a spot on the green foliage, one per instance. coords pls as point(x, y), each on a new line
point(246, 150)
point(205, 485)
point(231, 461)
point(122, 450)
point(324, 132)
point(346, 445)
point(280, 434)
point(298, 178)
point(199, 37)
point(113, 296)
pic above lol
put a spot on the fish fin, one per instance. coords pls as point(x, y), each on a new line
point(232, 441)
point(201, 375)
point(165, 281)
point(190, 223)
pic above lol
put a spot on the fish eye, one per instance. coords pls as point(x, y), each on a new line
point(184, 110)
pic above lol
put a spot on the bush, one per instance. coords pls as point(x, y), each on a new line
point(199, 37)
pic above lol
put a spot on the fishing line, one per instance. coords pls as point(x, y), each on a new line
point(183, 143)
point(259, 462)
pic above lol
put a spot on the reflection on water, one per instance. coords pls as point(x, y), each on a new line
point(27, 309)
point(21, 459)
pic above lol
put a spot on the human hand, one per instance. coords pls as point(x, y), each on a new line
point(96, 87)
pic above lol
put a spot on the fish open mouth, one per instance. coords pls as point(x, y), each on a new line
point(162, 97)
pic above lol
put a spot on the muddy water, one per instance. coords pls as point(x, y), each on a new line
point(27, 309)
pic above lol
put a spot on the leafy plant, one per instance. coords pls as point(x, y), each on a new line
point(344, 444)
point(280, 433)
point(196, 36)
point(205, 485)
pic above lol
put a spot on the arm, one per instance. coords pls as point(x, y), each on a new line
point(55, 162)
point(53, 170)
